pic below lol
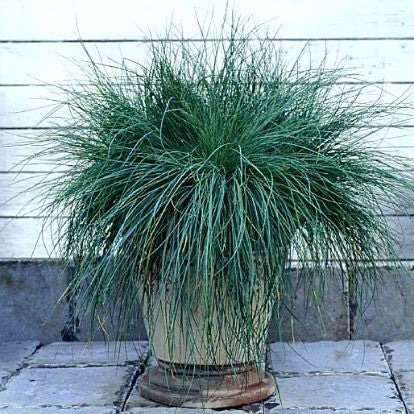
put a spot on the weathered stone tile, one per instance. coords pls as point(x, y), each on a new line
point(12, 354)
point(88, 328)
point(136, 400)
point(300, 358)
point(304, 318)
point(272, 405)
point(389, 313)
point(350, 393)
point(400, 355)
point(3, 376)
point(57, 410)
point(405, 383)
point(29, 291)
point(318, 411)
point(317, 394)
point(138, 404)
point(323, 411)
point(171, 410)
point(64, 387)
point(94, 353)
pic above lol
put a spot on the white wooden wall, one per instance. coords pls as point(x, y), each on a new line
point(39, 38)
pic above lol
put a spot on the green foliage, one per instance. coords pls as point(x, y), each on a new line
point(202, 174)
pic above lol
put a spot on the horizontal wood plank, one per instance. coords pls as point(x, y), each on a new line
point(131, 19)
point(17, 146)
point(23, 238)
point(18, 149)
point(27, 106)
point(23, 194)
point(39, 63)
point(403, 229)
point(39, 41)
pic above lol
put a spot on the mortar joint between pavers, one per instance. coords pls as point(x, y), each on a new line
point(139, 370)
point(55, 366)
point(20, 366)
point(57, 406)
point(392, 378)
point(288, 374)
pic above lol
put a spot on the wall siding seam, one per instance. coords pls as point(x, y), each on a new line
point(199, 40)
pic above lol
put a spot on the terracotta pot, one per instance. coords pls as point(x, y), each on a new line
point(199, 373)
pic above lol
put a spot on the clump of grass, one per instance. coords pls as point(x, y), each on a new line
point(200, 175)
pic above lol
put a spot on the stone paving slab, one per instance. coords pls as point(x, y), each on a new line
point(57, 410)
point(138, 404)
point(12, 354)
point(136, 401)
point(338, 392)
point(66, 354)
point(302, 317)
point(314, 378)
point(327, 357)
point(391, 314)
point(322, 411)
point(316, 394)
point(243, 410)
point(3, 376)
point(65, 387)
point(405, 383)
point(29, 292)
point(400, 355)
point(168, 410)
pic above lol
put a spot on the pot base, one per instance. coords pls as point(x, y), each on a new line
point(197, 388)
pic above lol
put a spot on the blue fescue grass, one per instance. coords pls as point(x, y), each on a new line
point(203, 173)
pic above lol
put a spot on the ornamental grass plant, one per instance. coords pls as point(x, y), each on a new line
point(198, 176)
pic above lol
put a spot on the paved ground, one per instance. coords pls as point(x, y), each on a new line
point(314, 378)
